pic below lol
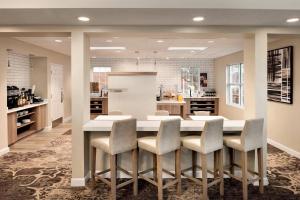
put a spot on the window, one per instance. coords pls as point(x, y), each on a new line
point(235, 85)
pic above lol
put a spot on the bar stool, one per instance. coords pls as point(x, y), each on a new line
point(210, 141)
point(202, 113)
point(115, 112)
point(122, 139)
point(250, 139)
point(166, 141)
point(162, 113)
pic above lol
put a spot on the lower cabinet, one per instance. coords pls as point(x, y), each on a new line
point(25, 122)
point(173, 109)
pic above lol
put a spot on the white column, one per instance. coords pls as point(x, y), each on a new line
point(3, 101)
point(80, 104)
point(255, 60)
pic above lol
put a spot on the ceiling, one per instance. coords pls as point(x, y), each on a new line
point(146, 46)
point(148, 16)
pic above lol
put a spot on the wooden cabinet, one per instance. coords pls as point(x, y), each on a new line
point(203, 104)
point(173, 109)
point(98, 106)
point(36, 116)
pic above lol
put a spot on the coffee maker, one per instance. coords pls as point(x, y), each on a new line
point(13, 93)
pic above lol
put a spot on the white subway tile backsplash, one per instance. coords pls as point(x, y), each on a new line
point(19, 71)
point(168, 71)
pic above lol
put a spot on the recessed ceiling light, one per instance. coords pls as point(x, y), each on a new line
point(58, 41)
point(116, 37)
point(83, 19)
point(292, 20)
point(198, 19)
point(193, 51)
point(108, 41)
point(211, 41)
point(107, 48)
point(187, 48)
point(93, 56)
point(167, 58)
point(160, 41)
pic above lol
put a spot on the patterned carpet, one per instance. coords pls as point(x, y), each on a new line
point(46, 174)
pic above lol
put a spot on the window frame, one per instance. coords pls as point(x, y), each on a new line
point(240, 85)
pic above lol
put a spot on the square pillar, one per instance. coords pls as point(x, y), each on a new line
point(80, 78)
point(255, 60)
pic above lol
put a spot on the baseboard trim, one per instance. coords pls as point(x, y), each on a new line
point(67, 119)
point(80, 182)
point(4, 151)
point(284, 148)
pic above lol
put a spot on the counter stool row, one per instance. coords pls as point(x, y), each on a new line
point(123, 138)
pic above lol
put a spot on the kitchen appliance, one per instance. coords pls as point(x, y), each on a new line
point(12, 96)
point(37, 99)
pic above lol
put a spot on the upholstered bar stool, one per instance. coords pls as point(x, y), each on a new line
point(115, 112)
point(250, 139)
point(210, 141)
point(162, 113)
point(166, 141)
point(202, 113)
point(122, 139)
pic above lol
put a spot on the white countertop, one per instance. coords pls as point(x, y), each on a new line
point(159, 118)
point(186, 125)
point(201, 97)
point(204, 118)
point(112, 117)
point(26, 107)
point(170, 102)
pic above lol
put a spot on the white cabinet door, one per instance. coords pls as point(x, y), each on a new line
point(57, 96)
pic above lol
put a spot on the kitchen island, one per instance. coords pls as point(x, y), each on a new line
point(94, 128)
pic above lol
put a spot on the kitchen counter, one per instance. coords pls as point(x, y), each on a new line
point(201, 97)
point(26, 107)
point(163, 102)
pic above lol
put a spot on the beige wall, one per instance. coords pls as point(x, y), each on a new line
point(228, 111)
point(283, 119)
point(25, 48)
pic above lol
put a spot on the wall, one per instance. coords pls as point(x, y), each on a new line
point(283, 119)
point(228, 111)
point(168, 71)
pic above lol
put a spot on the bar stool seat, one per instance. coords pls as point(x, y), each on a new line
point(101, 143)
point(192, 142)
point(148, 144)
point(233, 142)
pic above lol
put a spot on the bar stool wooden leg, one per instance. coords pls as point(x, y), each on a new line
point(159, 177)
point(260, 169)
point(231, 160)
point(113, 177)
point(135, 171)
point(221, 171)
point(245, 175)
point(216, 164)
point(93, 165)
point(178, 170)
point(154, 167)
point(204, 175)
point(194, 163)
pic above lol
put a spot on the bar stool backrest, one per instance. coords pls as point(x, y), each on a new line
point(115, 112)
point(252, 134)
point(202, 113)
point(162, 113)
point(212, 136)
point(168, 137)
point(123, 136)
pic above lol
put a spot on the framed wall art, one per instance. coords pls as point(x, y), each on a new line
point(280, 75)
